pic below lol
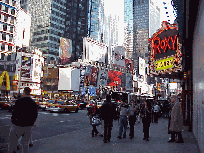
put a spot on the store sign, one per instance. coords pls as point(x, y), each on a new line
point(165, 55)
point(164, 64)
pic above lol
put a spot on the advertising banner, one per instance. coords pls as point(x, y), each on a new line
point(26, 68)
point(129, 65)
point(65, 50)
point(165, 56)
point(102, 76)
point(94, 74)
point(119, 56)
point(114, 78)
point(92, 91)
point(64, 79)
point(93, 50)
point(141, 66)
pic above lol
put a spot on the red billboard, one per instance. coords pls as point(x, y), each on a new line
point(114, 78)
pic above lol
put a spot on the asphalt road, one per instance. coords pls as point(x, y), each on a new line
point(47, 124)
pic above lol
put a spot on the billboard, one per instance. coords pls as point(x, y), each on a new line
point(94, 75)
point(102, 76)
point(75, 79)
point(65, 50)
point(141, 66)
point(119, 56)
point(93, 50)
point(166, 56)
point(64, 79)
point(129, 65)
point(114, 78)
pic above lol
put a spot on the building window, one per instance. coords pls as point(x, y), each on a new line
point(166, 12)
point(2, 47)
point(5, 27)
point(5, 18)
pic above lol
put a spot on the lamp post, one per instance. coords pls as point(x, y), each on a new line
point(19, 82)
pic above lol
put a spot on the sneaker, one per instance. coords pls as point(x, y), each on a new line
point(124, 136)
point(131, 137)
point(144, 138)
point(119, 137)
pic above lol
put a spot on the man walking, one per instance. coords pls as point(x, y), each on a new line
point(123, 119)
point(108, 113)
point(23, 117)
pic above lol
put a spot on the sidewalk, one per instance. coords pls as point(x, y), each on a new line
point(81, 141)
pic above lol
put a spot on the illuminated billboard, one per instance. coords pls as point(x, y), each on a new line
point(165, 55)
point(119, 56)
point(65, 50)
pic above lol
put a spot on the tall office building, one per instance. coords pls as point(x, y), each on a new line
point(95, 19)
point(128, 29)
point(56, 19)
point(146, 20)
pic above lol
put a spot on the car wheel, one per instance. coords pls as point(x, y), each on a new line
point(76, 111)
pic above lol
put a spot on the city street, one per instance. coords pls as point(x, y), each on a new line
point(71, 132)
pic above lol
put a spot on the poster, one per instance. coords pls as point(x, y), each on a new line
point(65, 50)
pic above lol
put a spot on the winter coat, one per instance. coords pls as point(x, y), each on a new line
point(146, 120)
point(25, 112)
point(176, 122)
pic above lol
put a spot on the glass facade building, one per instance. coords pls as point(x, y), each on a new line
point(146, 21)
point(53, 19)
point(128, 21)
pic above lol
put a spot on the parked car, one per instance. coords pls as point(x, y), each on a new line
point(61, 106)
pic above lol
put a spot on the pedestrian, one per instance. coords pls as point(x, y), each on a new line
point(132, 118)
point(92, 113)
point(137, 112)
point(23, 117)
point(108, 113)
point(146, 119)
point(123, 109)
point(176, 121)
point(156, 112)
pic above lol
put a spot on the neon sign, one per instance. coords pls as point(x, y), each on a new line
point(165, 55)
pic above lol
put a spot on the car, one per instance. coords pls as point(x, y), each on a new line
point(63, 106)
point(81, 104)
point(4, 103)
point(90, 103)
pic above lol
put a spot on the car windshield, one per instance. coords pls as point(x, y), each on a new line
point(59, 102)
point(50, 101)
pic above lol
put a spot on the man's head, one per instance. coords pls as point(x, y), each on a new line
point(27, 91)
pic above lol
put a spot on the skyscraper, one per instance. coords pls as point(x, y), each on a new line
point(128, 29)
point(146, 21)
point(53, 19)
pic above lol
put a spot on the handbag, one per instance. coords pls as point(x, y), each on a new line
point(96, 120)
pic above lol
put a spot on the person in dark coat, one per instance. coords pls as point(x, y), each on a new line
point(108, 113)
point(132, 118)
point(146, 119)
point(23, 117)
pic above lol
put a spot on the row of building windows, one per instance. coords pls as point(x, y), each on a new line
point(10, 2)
point(6, 28)
point(6, 37)
point(7, 9)
point(7, 19)
point(8, 68)
point(5, 47)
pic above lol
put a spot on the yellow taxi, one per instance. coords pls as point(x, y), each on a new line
point(63, 106)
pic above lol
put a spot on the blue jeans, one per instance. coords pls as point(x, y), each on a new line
point(123, 123)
